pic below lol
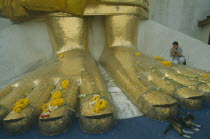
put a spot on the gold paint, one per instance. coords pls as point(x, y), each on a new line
point(70, 99)
point(14, 116)
point(189, 82)
point(156, 98)
point(200, 72)
point(120, 61)
point(206, 89)
point(183, 78)
point(184, 71)
point(61, 118)
point(187, 97)
point(45, 5)
point(187, 93)
point(205, 80)
point(114, 27)
point(44, 79)
point(37, 98)
point(19, 9)
point(92, 83)
point(70, 96)
point(167, 85)
point(4, 92)
point(59, 112)
point(67, 33)
point(142, 3)
point(103, 9)
point(8, 101)
point(87, 109)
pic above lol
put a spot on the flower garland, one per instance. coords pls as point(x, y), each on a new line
point(65, 84)
point(20, 105)
point(167, 63)
point(206, 76)
point(100, 104)
point(158, 58)
point(61, 55)
point(138, 53)
point(51, 106)
point(56, 101)
point(57, 95)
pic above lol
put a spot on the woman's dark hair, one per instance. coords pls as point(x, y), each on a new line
point(176, 43)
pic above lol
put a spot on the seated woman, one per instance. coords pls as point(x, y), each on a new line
point(176, 54)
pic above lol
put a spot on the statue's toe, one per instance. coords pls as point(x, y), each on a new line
point(97, 124)
point(57, 123)
point(189, 98)
point(157, 105)
point(18, 123)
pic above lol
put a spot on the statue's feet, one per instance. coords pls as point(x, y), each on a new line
point(123, 65)
point(38, 88)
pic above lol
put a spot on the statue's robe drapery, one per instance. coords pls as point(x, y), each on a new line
point(16, 9)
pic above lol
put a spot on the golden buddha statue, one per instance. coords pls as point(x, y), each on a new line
point(51, 93)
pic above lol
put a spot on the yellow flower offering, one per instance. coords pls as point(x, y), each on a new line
point(61, 55)
point(20, 105)
point(96, 97)
point(17, 109)
point(45, 108)
point(101, 104)
point(96, 110)
point(138, 54)
point(65, 84)
point(167, 63)
point(205, 76)
point(57, 102)
point(57, 95)
point(158, 58)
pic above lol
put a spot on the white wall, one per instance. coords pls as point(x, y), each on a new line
point(156, 39)
point(181, 15)
point(22, 48)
